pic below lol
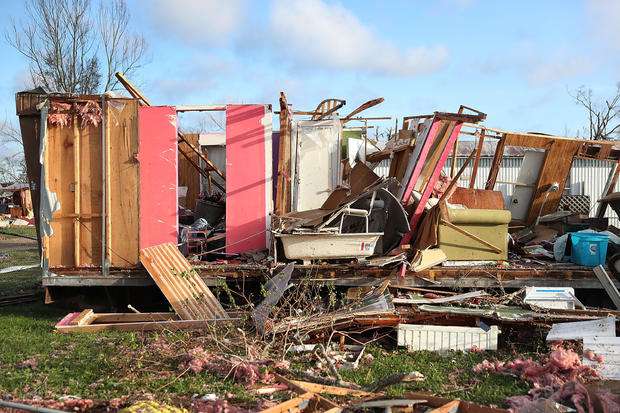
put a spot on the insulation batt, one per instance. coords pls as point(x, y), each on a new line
point(560, 376)
point(90, 113)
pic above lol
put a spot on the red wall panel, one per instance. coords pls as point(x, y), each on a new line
point(158, 175)
point(248, 177)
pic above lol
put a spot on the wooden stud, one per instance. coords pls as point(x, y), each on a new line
point(76, 190)
point(474, 172)
point(283, 184)
point(497, 161)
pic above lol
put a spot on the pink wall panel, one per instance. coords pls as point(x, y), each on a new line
point(158, 175)
point(248, 176)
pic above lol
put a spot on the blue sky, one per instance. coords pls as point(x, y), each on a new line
point(513, 60)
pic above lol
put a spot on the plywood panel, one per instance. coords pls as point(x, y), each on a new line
point(188, 175)
point(90, 196)
point(248, 172)
point(123, 175)
point(158, 175)
point(59, 164)
point(555, 169)
point(178, 281)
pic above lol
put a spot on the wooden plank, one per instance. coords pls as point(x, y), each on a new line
point(464, 407)
point(124, 182)
point(109, 318)
point(60, 175)
point(331, 390)
point(293, 403)
point(556, 168)
point(139, 326)
point(609, 286)
point(83, 318)
point(322, 402)
point(495, 165)
point(421, 149)
point(91, 196)
point(448, 407)
point(474, 172)
point(439, 144)
point(430, 183)
point(478, 198)
point(188, 176)
point(283, 186)
point(180, 283)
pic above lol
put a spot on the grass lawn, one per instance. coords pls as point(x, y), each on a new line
point(28, 231)
point(36, 361)
point(20, 281)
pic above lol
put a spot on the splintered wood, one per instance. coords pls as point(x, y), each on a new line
point(178, 281)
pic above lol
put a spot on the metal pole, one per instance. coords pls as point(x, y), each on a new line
point(104, 264)
point(28, 408)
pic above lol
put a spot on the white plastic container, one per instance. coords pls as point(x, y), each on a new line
point(439, 338)
point(312, 246)
point(551, 297)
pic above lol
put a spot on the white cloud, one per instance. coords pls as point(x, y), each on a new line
point(196, 75)
point(312, 33)
point(198, 22)
point(604, 19)
point(561, 67)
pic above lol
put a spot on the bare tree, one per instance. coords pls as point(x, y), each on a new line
point(65, 45)
point(13, 164)
point(604, 118)
point(123, 52)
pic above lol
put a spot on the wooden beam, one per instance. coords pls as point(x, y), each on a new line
point(474, 171)
point(497, 162)
point(136, 93)
point(283, 183)
point(362, 108)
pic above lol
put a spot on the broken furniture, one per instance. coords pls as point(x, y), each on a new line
point(490, 226)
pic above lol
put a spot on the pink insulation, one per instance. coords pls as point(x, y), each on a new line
point(559, 377)
point(90, 113)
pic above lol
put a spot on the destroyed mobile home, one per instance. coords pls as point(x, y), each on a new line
point(123, 198)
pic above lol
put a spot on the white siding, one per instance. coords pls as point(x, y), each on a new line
point(587, 177)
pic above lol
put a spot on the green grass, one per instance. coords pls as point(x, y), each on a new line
point(15, 282)
point(35, 360)
point(28, 231)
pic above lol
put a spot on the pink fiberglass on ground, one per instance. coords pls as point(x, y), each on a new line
point(248, 177)
point(158, 175)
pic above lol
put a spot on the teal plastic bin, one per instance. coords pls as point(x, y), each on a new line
point(588, 248)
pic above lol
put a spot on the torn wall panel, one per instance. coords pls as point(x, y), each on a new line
point(158, 176)
point(248, 177)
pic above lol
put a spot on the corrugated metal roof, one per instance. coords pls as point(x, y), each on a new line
point(180, 283)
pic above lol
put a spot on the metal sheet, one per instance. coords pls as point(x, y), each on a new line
point(603, 327)
point(526, 184)
point(180, 283)
point(609, 348)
